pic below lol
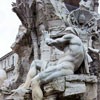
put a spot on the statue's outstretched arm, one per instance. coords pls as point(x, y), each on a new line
point(94, 50)
point(54, 42)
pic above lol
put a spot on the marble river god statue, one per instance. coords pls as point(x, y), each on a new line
point(71, 60)
point(73, 57)
point(67, 40)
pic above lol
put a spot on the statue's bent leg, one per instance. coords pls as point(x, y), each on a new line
point(50, 73)
point(63, 69)
point(59, 73)
point(23, 88)
point(37, 93)
point(32, 72)
point(30, 75)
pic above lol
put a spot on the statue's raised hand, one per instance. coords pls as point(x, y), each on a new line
point(49, 41)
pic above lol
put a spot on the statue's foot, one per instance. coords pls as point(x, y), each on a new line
point(18, 94)
point(3, 89)
point(15, 96)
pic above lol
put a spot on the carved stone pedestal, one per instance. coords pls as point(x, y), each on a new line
point(72, 87)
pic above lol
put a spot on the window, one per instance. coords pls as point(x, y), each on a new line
point(13, 60)
point(5, 63)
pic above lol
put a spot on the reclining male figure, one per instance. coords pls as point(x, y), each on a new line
point(70, 61)
point(73, 57)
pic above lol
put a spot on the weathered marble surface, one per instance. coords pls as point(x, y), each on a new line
point(83, 78)
point(75, 85)
point(70, 87)
point(50, 21)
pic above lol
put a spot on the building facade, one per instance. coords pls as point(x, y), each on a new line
point(9, 62)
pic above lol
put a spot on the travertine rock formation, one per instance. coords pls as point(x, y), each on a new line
point(52, 42)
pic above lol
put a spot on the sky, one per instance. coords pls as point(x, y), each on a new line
point(9, 24)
